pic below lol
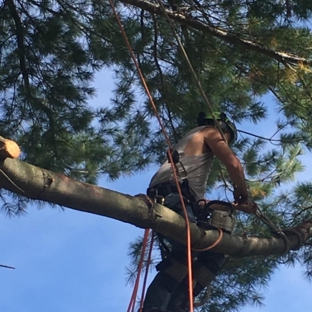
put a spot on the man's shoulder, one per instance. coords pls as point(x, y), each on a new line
point(201, 129)
point(204, 130)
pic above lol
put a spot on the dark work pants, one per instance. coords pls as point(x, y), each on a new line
point(164, 288)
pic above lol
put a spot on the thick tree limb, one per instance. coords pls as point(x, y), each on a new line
point(37, 183)
point(219, 33)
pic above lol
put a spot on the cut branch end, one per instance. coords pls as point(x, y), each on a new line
point(8, 149)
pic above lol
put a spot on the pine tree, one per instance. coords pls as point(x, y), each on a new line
point(242, 53)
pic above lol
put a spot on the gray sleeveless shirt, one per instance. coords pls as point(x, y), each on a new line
point(197, 167)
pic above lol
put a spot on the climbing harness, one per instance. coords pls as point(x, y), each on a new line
point(161, 190)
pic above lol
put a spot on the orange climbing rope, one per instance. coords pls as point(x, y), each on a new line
point(188, 236)
point(149, 257)
point(213, 245)
point(137, 280)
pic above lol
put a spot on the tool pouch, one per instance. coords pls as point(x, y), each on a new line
point(223, 220)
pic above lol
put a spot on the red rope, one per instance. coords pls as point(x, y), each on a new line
point(137, 280)
point(214, 244)
point(188, 232)
point(149, 257)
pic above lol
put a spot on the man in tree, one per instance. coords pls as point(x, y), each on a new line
point(193, 156)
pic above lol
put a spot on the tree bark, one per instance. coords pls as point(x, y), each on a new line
point(222, 34)
point(36, 183)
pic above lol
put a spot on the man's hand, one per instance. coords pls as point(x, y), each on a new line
point(240, 195)
point(248, 207)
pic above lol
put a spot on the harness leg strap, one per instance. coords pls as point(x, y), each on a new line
point(202, 275)
point(159, 293)
point(205, 270)
point(174, 268)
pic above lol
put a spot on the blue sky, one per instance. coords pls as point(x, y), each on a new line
point(73, 261)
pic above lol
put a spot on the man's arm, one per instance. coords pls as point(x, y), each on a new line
point(223, 152)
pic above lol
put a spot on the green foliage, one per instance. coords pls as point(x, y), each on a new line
point(49, 54)
point(239, 283)
point(50, 51)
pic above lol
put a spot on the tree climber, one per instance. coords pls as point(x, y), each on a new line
point(193, 156)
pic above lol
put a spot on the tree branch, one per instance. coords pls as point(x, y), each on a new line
point(23, 64)
point(37, 183)
point(20, 43)
point(185, 19)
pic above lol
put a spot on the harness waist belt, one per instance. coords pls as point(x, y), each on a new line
point(164, 189)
